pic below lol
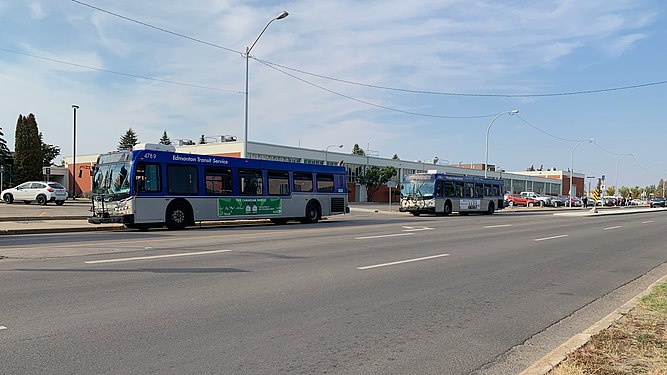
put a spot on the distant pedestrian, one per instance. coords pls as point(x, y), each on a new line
point(584, 200)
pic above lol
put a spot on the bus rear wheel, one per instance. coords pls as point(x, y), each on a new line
point(313, 213)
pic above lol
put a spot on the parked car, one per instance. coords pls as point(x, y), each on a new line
point(519, 200)
point(543, 200)
point(609, 201)
point(658, 202)
point(572, 201)
point(41, 192)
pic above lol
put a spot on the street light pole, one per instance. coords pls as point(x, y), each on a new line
point(590, 140)
point(326, 153)
point(247, 58)
point(486, 154)
point(617, 162)
point(74, 107)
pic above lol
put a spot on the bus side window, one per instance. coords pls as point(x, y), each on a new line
point(487, 190)
point(495, 190)
point(278, 183)
point(147, 178)
point(449, 189)
point(325, 183)
point(438, 188)
point(303, 182)
point(470, 190)
point(479, 190)
point(459, 189)
point(181, 179)
point(218, 181)
point(250, 182)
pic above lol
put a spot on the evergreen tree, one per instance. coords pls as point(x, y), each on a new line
point(128, 140)
point(356, 150)
point(28, 158)
point(5, 160)
point(165, 139)
point(49, 152)
point(5, 154)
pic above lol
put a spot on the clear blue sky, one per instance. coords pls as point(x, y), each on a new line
point(493, 49)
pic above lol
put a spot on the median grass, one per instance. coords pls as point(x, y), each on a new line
point(635, 344)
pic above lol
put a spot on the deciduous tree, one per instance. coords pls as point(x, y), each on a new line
point(374, 177)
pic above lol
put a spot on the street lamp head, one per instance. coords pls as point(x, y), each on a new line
point(340, 146)
point(591, 140)
point(282, 15)
point(75, 106)
point(514, 112)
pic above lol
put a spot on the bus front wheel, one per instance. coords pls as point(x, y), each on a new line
point(177, 217)
point(491, 209)
point(313, 213)
point(448, 209)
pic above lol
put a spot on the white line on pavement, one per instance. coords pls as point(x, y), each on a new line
point(156, 257)
point(413, 229)
point(497, 226)
point(550, 238)
point(616, 227)
point(2, 327)
point(402, 261)
point(647, 221)
point(384, 235)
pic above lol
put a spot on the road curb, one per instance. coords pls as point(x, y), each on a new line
point(59, 230)
point(558, 355)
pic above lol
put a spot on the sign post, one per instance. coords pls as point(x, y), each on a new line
point(390, 184)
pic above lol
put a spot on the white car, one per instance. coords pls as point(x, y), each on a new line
point(40, 191)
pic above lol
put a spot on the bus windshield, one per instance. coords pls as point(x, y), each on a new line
point(112, 179)
point(417, 188)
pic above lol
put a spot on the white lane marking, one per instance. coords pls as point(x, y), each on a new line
point(497, 226)
point(616, 227)
point(550, 238)
point(383, 235)
point(402, 261)
point(2, 327)
point(646, 222)
point(156, 256)
point(417, 229)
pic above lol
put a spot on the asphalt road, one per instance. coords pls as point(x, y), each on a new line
point(356, 294)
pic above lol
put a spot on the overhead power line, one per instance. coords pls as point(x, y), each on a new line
point(156, 27)
point(397, 89)
point(119, 73)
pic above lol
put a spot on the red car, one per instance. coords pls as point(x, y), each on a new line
point(518, 200)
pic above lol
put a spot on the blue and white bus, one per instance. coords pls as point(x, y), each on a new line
point(442, 194)
point(153, 186)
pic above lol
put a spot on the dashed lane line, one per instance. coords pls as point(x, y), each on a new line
point(2, 327)
point(497, 226)
point(614, 227)
point(551, 238)
point(155, 257)
point(647, 221)
point(402, 261)
point(383, 236)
